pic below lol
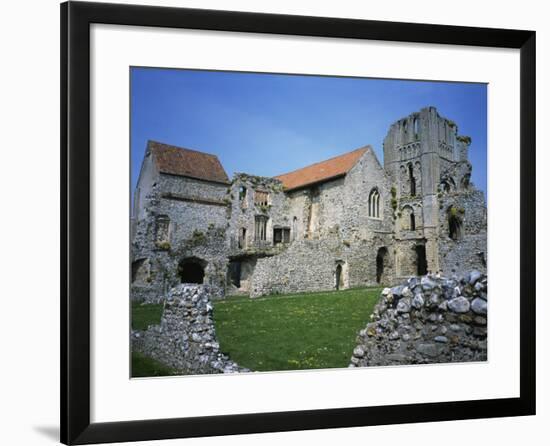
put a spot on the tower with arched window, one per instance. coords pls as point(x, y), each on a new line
point(427, 161)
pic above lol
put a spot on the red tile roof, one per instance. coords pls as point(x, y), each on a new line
point(185, 162)
point(323, 171)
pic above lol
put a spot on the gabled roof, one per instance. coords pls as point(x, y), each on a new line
point(323, 171)
point(185, 162)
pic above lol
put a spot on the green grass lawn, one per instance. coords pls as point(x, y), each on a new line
point(292, 332)
point(145, 315)
point(142, 317)
point(143, 366)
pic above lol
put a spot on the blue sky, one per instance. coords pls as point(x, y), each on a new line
point(268, 124)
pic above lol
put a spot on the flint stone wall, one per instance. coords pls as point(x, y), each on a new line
point(469, 252)
point(427, 320)
point(307, 265)
point(186, 337)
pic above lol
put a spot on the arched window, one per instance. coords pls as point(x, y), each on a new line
point(374, 203)
point(294, 228)
point(415, 127)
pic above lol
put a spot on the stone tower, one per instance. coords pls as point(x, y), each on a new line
point(419, 151)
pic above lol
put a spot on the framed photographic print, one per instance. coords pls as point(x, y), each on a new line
point(262, 213)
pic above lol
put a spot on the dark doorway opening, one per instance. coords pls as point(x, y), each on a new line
point(421, 262)
point(380, 263)
point(455, 219)
point(281, 235)
point(235, 273)
point(138, 270)
point(338, 276)
point(191, 270)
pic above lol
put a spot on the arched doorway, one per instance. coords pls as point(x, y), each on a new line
point(381, 260)
point(339, 281)
point(191, 270)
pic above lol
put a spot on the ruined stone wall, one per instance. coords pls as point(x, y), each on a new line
point(427, 320)
point(469, 250)
point(345, 234)
point(205, 220)
point(192, 205)
point(184, 219)
point(148, 175)
point(330, 208)
point(298, 207)
point(186, 338)
point(307, 265)
point(244, 210)
point(406, 257)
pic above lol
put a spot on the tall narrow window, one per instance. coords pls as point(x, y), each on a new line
point(242, 238)
point(415, 126)
point(294, 228)
point(412, 180)
point(374, 203)
point(408, 220)
point(260, 228)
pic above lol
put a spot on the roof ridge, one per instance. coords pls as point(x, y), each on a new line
point(364, 148)
point(192, 163)
point(180, 148)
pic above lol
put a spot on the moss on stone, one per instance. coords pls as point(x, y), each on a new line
point(464, 139)
point(163, 245)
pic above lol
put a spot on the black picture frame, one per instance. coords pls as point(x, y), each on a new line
point(76, 18)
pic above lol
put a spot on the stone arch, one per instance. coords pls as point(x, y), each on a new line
point(191, 270)
point(374, 203)
point(382, 263)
